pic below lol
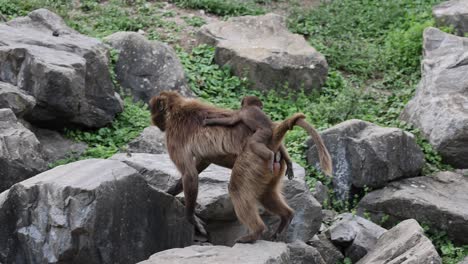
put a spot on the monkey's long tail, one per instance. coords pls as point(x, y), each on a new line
point(299, 120)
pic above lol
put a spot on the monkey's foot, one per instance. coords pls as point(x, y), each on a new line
point(199, 226)
point(290, 172)
point(250, 238)
point(273, 237)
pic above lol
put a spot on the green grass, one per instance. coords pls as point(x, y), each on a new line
point(194, 21)
point(100, 20)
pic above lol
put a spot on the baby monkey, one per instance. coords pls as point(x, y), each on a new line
point(251, 115)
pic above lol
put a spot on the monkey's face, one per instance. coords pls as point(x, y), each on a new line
point(158, 112)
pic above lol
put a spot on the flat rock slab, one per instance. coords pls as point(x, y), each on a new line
point(158, 170)
point(452, 14)
point(262, 48)
point(440, 201)
point(145, 68)
point(405, 243)
point(365, 154)
point(20, 151)
point(89, 211)
point(67, 74)
point(261, 252)
point(440, 107)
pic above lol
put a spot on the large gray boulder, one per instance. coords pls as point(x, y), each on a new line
point(151, 140)
point(405, 243)
point(68, 74)
point(365, 154)
point(320, 192)
point(145, 68)
point(440, 107)
point(20, 151)
point(15, 99)
point(329, 252)
point(54, 146)
point(214, 203)
point(158, 170)
point(262, 48)
point(90, 211)
point(301, 253)
point(439, 200)
point(452, 14)
point(261, 252)
point(354, 235)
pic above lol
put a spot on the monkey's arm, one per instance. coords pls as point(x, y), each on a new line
point(285, 156)
point(222, 121)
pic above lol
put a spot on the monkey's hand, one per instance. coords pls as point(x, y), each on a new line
point(199, 225)
point(289, 171)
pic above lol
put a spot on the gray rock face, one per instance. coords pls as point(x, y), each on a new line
point(307, 211)
point(68, 75)
point(158, 170)
point(145, 68)
point(262, 48)
point(452, 13)
point(405, 243)
point(301, 253)
point(464, 261)
point(320, 193)
point(355, 235)
point(440, 107)
point(329, 252)
point(151, 140)
point(54, 146)
point(216, 207)
point(90, 211)
point(261, 252)
point(20, 156)
point(365, 154)
point(439, 201)
point(15, 99)
point(214, 203)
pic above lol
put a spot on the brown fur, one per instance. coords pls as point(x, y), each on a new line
point(251, 115)
point(192, 147)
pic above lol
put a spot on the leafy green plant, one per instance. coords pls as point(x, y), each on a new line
point(107, 141)
point(450, 253)
point(221, 7)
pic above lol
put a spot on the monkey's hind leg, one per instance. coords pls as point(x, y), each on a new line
point(190, 187)
point(245, 205)
point(274, 202)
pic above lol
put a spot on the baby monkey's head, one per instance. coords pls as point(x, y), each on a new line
point(251, 101)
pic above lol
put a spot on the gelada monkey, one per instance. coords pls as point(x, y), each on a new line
point(192, 147)
point(251, 115)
